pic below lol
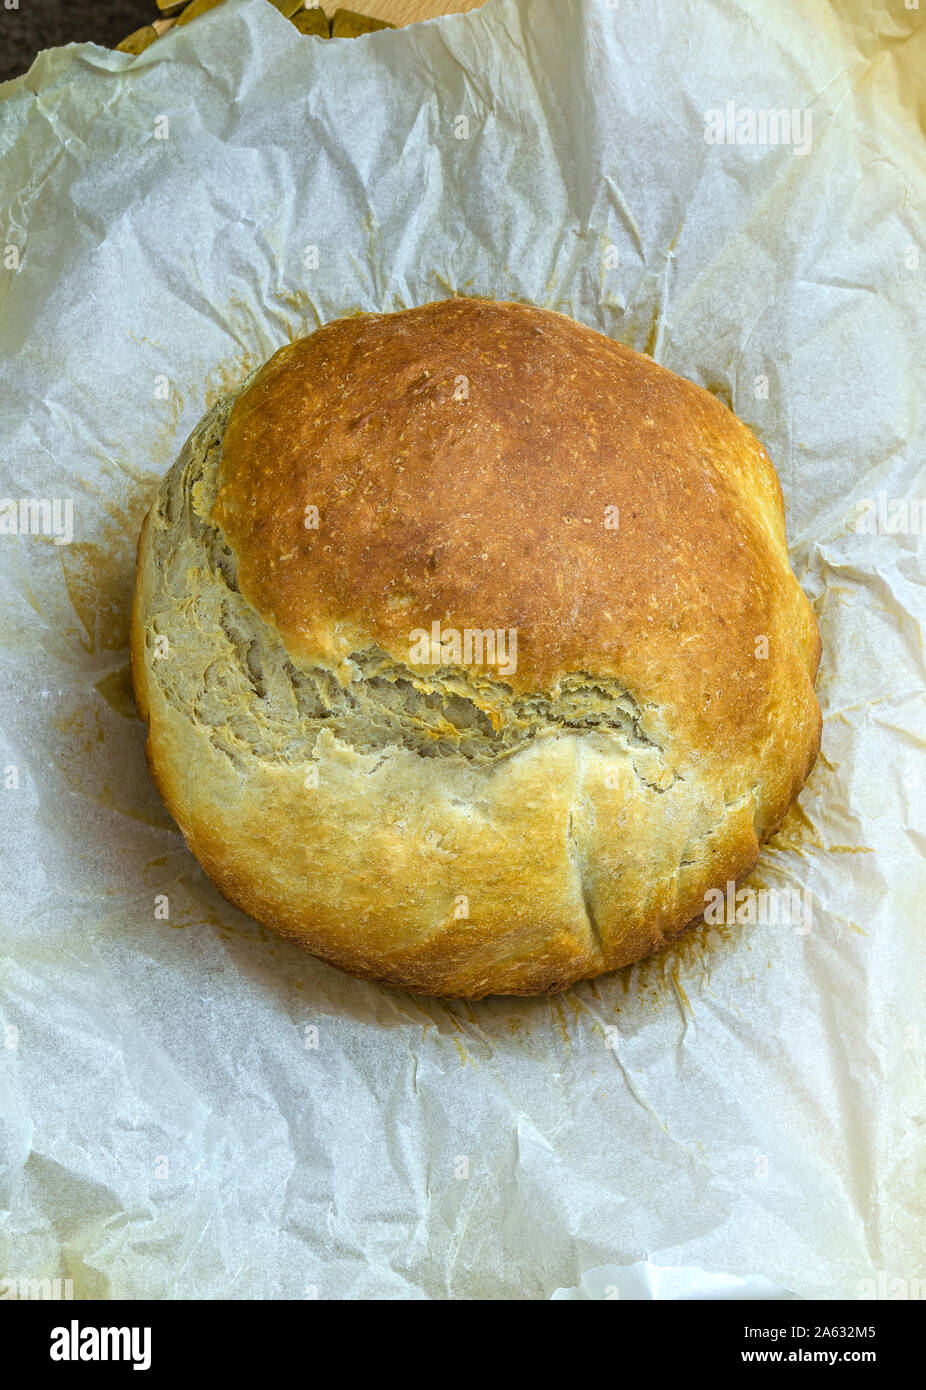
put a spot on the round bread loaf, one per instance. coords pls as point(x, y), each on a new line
point(470, 650)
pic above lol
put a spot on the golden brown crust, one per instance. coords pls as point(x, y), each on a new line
point(463, 458)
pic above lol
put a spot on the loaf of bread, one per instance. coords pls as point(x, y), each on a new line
point(470, 650)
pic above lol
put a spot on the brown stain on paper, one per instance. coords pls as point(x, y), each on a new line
point(117, 691)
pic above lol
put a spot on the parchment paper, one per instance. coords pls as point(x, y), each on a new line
point(741, 1116)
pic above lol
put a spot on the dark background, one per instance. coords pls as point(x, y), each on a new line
point(41, 24)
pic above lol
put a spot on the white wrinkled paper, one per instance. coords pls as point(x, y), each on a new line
point(193, 1108)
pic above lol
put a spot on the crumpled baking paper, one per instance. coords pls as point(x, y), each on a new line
point(192, 1108)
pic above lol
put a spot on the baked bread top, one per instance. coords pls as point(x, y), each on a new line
point(392, 483)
